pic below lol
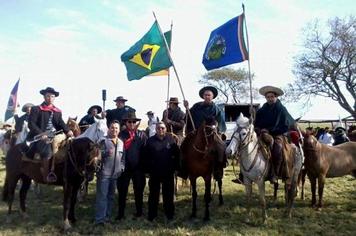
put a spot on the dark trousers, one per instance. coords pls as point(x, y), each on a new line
point(139, 183)
point(167, 193)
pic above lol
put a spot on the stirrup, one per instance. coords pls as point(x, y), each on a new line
point(237, 181)
point(51, 177)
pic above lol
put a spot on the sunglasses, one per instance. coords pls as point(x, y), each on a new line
point(161, 127)
point(131, 121)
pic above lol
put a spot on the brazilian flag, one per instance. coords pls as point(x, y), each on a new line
point(147, 56)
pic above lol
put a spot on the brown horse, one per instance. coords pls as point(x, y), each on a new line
point(323, 161)
point(79, 163)
point(201, 151)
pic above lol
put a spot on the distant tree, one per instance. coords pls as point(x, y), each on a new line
point(233, 85)
point(327, 65)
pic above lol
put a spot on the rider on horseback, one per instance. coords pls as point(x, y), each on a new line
point(201, 111)
point(43, 119)
point(273, 119)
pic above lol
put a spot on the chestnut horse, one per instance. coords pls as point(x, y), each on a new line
point(200, 151)
point(323, 161)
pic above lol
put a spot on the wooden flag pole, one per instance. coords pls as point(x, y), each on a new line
point(252, 111)
point(174, 68)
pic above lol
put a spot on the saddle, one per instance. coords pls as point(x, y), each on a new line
point(58, 148)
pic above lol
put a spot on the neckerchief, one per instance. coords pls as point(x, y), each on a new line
point(51, 108)
point(128, 142)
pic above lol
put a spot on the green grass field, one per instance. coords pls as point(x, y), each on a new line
point(338, 217)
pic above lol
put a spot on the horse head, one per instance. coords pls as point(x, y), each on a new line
point(243, 132)
point(73, 126)
point(96, 131)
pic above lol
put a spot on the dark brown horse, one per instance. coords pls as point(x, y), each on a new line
point(202, 151)
point(78, 164)
point(323, 161)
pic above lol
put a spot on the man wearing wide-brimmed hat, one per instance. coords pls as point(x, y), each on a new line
point(274, 119)
point(92, 115)
point(118, 113)
point(20, 120)
point(134, 141)
point(205, 109)
point(43, 120)
point(174, 118)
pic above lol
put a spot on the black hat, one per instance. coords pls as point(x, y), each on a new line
point(149, 113)
point(97, 107)
point(120, 98)
point(173, 100)
point(24, 107)
point(210, 88)
point(130, 116)
point(49, 90)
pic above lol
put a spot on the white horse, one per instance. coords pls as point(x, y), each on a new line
point(255, 167)
point(21, 137)
point(96, 131)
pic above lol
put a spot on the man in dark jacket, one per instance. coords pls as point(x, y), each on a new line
point(44, 120)
point(89, 118)
point(274, 119)
point(174, 119)
point(206, 109)
point(21, 120)
point(134, 141)
point(161, 159)
point(119, 112)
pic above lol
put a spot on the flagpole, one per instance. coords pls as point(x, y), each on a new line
point(169, 73)
point(249, 65)
point(174, 67)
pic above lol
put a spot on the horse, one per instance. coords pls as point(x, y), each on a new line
point(351, 133)
point(201, 151)
point(81, 158)
point(255, 166)
point(323, 161)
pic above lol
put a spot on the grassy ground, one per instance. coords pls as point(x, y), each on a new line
point(337, 218)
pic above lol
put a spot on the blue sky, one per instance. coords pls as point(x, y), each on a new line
point(75, 47)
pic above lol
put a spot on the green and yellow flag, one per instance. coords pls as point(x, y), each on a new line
point(147, 56)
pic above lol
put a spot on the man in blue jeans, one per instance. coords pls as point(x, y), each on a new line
point(113, 164)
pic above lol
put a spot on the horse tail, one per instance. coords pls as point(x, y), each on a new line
point(5, 190)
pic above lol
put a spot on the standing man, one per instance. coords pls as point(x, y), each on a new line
point(46, 118)
point(113, 164)
point(152, 121)
point(134, 141)
point(326, 137)
point(174, 119)
point(161, 159)
point(119, 112)
point(274, 119)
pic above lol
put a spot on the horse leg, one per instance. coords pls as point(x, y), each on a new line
point(26, 183)
point(248, 190)
point(207, 197)
point(303, 174)
point(193, 182)
point(275, 189)
point(321, 182)
point(67, 191)
point(9, 192)
point(73, 201)
point(261, 190)
point(221, 200)
point(313, 190)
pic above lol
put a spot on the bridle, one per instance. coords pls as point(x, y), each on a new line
point(206, 136)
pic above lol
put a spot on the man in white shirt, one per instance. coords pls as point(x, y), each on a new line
point(326, 137)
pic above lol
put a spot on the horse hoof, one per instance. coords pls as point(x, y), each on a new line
point(193, 216)
point(8, 219)
point(318, 208)
point(206, 219)
point(66, 226)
